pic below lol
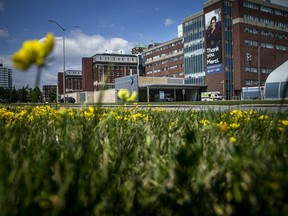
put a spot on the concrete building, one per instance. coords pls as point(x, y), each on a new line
point(194, 52)
point(151, 89)
point(248, 43)
point(5, 77)
point(165, 59)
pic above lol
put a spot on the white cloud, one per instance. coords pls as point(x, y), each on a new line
point(77, 46)
point(1, 7)
point(168, 22)
point(4, 33)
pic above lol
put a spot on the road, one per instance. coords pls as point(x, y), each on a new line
point(259, 107)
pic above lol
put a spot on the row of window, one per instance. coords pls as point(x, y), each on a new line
point(252, 82)
point(266, 45)
point(255, 70)
point(178, 58)
point(164, 47)
point(265, 9)
point(265, 33)
point(163, 69)
point(163, 55)
point(264, 20)
point(108, 58)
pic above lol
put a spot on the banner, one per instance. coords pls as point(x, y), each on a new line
point(213, 42)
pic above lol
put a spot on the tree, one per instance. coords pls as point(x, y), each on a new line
point(14, 95)
point(52, 94)
point(23, 94)
point(36, 95)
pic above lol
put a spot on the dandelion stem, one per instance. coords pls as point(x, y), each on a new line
point(38, 75)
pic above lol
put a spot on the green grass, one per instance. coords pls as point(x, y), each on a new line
point(118, 161)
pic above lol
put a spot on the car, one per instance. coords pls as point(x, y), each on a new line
point(68, 100)
point(4, 101)
point(169, 99)
point(166, 99)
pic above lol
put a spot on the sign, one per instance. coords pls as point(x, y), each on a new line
point(213, 42)
point(161, 95)
point(131, 81)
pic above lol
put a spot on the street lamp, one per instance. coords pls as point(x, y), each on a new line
point(259, 71)
point(64, 77)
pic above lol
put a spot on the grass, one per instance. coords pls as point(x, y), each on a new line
point(118, 161)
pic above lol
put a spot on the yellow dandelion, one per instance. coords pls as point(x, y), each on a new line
point(233, 139)
point(234, 125)
point(284, 122)
point(33, 51)
point(263, 117)
point(204, 122)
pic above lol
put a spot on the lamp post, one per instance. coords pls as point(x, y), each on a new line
point(259, 71)
point(64, 77)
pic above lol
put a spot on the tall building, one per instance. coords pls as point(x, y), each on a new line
point(165, 59)
point(194, 52)
point(5, 77)
point(244, 40)
point(102, 69)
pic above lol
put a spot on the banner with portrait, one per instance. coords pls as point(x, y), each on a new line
point(213, 42)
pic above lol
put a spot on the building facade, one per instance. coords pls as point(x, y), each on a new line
point(165, 60)
point(73, 81)
point(244, 41)
point(101, 70)
point(5, 77)
point(260, 35)
point(46, 89)
point(194, 52)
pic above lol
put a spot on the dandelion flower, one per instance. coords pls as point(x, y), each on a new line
point(33, 52)
point(233, 139)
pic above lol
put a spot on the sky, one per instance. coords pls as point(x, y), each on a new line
point(115, 26)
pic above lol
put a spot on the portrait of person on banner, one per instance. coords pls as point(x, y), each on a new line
point(213, 33)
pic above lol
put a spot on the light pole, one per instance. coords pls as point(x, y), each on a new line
point(259, 71)
point(64, 77)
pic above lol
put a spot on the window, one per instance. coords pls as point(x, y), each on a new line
point(251, 43)
point(266, 21)
point(279, 12)
point(250, 5)
point(250, 17)
point(251, 69)
point(266, 70)
point(266, 9)
point(279, 47)
point(281, 24)
point(267, 33)
point(251, 30)
point(268, 45)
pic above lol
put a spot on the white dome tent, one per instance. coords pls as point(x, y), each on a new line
point(276, 85)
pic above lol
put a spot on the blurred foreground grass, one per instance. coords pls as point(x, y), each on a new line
point(118, 161)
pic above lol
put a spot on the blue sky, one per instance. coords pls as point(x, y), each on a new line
point(103, 25)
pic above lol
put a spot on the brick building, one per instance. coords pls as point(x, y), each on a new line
point(73, 81)
point(46, 89)
point(251, 42)
point(165, 59)
point(103, 69)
